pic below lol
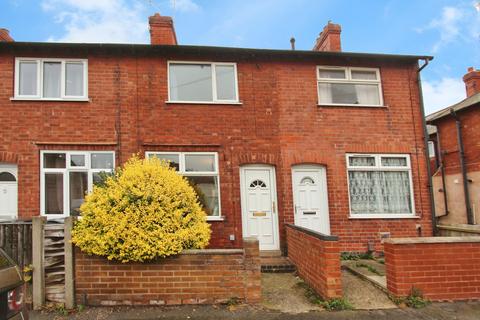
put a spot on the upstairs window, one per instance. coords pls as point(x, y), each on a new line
point(346, 86)
point(202, 82)
point(50, 79)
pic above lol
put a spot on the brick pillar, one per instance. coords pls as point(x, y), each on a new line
point(253, 283)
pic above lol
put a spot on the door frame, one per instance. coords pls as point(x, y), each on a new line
point(318, 168)
point(13, 169)
point(273, 192)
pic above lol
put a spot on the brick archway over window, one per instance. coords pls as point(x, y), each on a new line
point(8, 157)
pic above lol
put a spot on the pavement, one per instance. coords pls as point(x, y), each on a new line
point(434, 311)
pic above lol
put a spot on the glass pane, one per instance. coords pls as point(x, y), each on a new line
point(394, 161)
point(225, 83)
point(361, 161)
point(7, 177)
point(207, 192)
point(191, 82)
point(364, 75)
point(199, 163)
point(349, 93)
point(379, 192)
point(54, 160)
point(52, 73)
point(172, 159)
point(331, 73)
point(28, 78)
point(78, 189)
point(77, 160)
point(102, 161)
point(74, 79)
point(99, 178)
point(54, 193)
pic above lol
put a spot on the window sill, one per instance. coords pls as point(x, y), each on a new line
point(351, 105)
point(50, 99)
point(383, 216)
point(221, 218)
point(205, 102)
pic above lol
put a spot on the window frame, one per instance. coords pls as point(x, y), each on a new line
point(348, 80)
point(40, 69)
point(182, 172)
point(214, 82)
point(66, 177)
point(379, 167)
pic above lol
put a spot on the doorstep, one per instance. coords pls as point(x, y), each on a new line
point(275, 262)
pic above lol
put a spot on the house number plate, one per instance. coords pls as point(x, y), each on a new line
point(259, 213)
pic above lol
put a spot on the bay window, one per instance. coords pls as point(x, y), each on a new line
point(380, 186)
point(50, 79)
point(203, 82)
point(347, 86)
point(201, 171)
point(66, 176)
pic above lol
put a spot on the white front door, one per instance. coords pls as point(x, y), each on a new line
point(8, 191)
point(310, 198)
point(259, 208)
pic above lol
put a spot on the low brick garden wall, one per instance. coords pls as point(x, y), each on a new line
point(317, 258)
point(193, 277)
point(443, 268)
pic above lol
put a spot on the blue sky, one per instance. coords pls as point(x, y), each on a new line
point(449, 30)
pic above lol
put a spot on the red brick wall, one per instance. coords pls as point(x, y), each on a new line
point(443, 268)
point(317, 258)
point(278, 123)
point(196, 277)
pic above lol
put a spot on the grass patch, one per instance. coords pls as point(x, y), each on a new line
point(414, 300)
point(346, 256)
point(370, 268)
point(336, 304)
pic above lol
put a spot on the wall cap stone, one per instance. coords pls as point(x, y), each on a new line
point(211, 251)
point(424, 240)
point(312, 233)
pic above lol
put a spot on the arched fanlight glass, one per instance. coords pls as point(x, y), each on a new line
point(258, 183)
point(7, 177)
point(307, 180)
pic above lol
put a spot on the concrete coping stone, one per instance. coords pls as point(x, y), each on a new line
point(212, 251)
point(423, 240)
point(460, 227)
point(312, 233)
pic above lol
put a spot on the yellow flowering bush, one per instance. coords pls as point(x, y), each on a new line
point(143, 211)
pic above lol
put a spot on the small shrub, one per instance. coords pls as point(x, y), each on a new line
point(337, 304)
point(416, 300)
point(356, 255)
point(143, 211)
point(370, 268)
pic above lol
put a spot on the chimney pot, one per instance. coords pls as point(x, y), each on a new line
point(162, 30)
point(5, 35)
point(472, 81)
point(329, 38)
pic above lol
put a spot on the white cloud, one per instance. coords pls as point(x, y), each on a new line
point(442, 93)
point(184, 5)
point(108, 21)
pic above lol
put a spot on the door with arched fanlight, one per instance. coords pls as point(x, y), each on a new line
point(310, 198)
point(8, 191)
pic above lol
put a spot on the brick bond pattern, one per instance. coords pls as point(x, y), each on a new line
point(317, 258)
point(448, 269)
point(196, 277)
point(278, 123)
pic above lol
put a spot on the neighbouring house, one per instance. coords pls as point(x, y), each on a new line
point(455, 155)
point(329, 140)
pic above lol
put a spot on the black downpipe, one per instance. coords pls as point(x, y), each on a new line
point(425, 140)
point(463, 167)
point(442, 171)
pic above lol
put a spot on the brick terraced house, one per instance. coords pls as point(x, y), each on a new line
point(333, 141)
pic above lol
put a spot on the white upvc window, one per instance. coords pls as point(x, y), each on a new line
point(66, 176)
point(349, 86)
point(51, 79)
point(202, 82)
point(201, 171)
point(380, 186)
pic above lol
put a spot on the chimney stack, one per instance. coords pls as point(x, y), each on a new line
point(5, 35)
point(329, 38)
point(162, 30)
point(472, 81)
